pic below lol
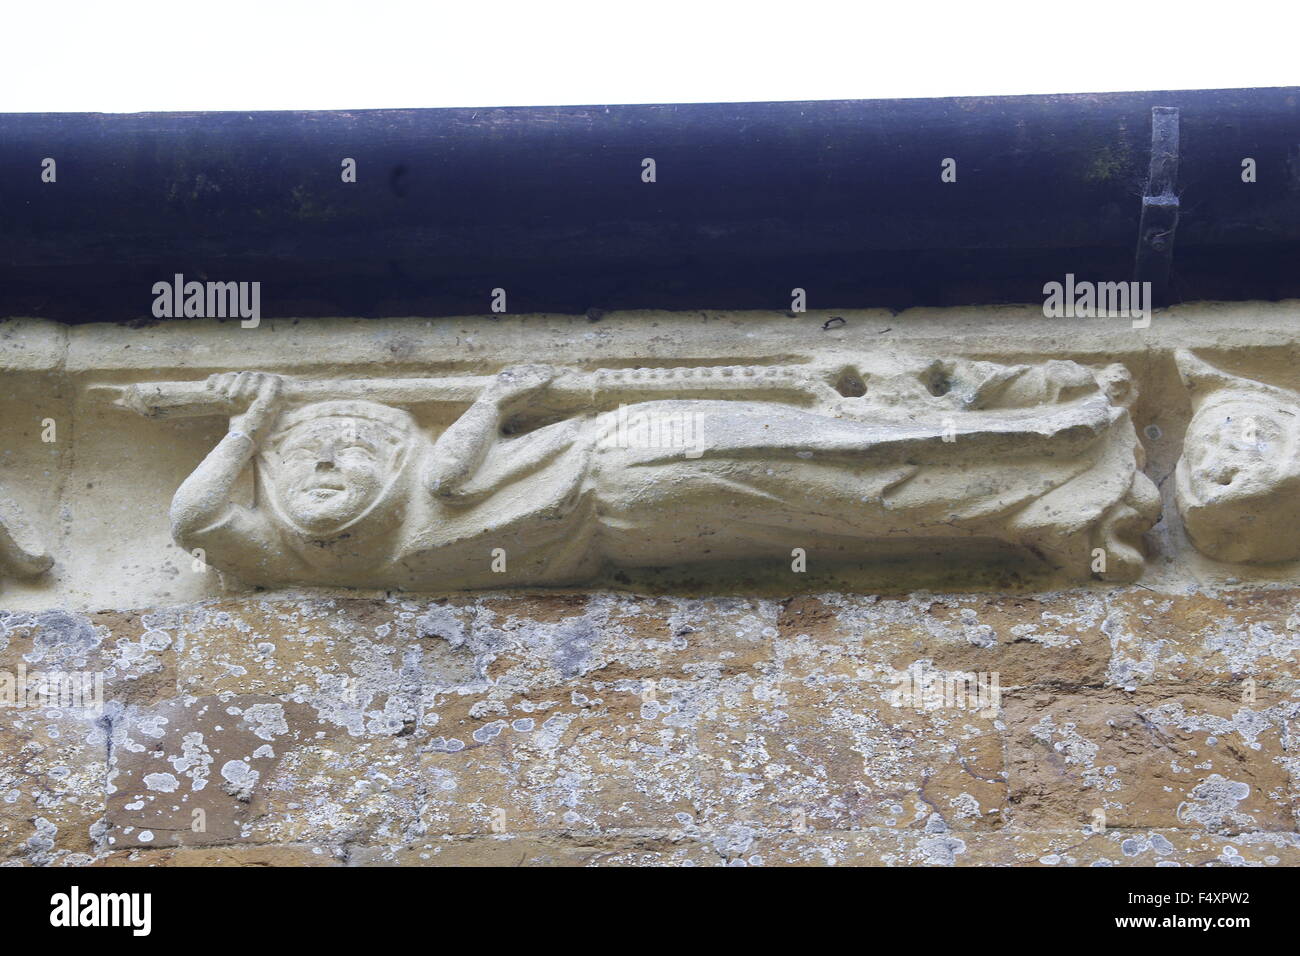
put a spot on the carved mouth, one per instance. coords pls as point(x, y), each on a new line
point(326, 489)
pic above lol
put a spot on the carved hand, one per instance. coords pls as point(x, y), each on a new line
point(520, 381)
point(257, 392)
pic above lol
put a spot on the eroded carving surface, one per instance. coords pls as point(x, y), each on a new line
point(21, 552)
point(549, 475)
point(1238, 481)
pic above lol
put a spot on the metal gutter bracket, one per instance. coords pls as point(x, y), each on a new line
point(1155, 249)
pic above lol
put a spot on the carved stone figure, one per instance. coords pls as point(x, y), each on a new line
point(549, 475)
point(1238, 480)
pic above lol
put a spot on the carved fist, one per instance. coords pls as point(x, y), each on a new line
point(520, 381)
point(256, 392)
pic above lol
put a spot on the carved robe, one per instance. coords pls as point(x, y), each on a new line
point(1037, 459)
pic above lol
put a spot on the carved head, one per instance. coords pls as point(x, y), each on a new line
point(328, 465)
point(1238, 481)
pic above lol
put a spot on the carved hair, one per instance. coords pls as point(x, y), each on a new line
point(398, 423)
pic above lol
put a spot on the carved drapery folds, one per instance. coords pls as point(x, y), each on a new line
point(549, 475)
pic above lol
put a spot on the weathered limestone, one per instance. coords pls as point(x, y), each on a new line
point(32, 406)
point(21, 550)
point(94, 508)
point(340, 676)
point(1238, 482)
point(703, 465)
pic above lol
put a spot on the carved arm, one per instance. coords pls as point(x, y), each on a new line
point(569, 390)
point(460, 450)
point(203, 499)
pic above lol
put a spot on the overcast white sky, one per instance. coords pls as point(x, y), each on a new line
point(237, 55)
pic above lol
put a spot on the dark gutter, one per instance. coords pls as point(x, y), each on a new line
point(841, 198)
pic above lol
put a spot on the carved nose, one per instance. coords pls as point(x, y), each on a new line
point(325, 460)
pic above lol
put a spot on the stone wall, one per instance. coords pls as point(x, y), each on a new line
point(683, 716)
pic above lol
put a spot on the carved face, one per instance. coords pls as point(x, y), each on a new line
point(329, 472)
point(1238, 447)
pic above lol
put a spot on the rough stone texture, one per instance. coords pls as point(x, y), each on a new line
point(670, 717)
point(98, 493)
point(606, 728)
